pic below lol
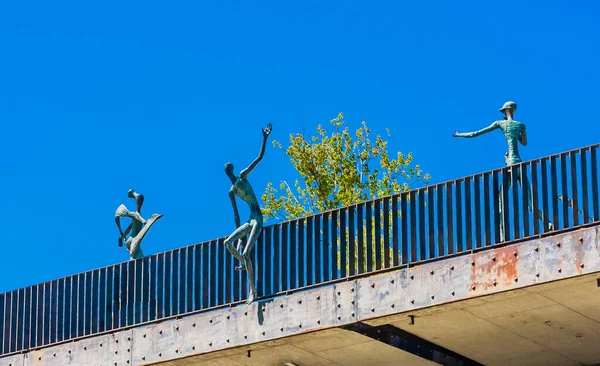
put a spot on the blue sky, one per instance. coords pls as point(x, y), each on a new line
point(99, 98)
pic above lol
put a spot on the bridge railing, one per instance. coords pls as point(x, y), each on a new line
point(473, 212)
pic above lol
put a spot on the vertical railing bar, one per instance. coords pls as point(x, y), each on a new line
point(95, 300)
point(260, 266)
point(81, 297)
point(334, 244)
point(326, 248)
point(205, 268)
point(167, 284)
point(545, 198)
point(27, 317)
point(422, 240)
point(160, 286)
point(535, 197)
point(175, 279)
point(152, 294)
point(584, 188)
point(318, 243)
point(183, 277)
point(309, 251)
point(144, 292)
point(377, 228)
point(285, 258)
point(413, 216)
point(554, 198)
point(369, 231)
point(343, 245)
point(496, 198)
point(114, 304)
point(189, 267)
point(404, 232)
point(301, 254)
point(101, 302)
point(431, 221)
point(594, 176)
point(293, 245)
point(137, 293)
point(269, 260)
point(3, 321)
point(477, 211)
point(468, 220)
point(486, 210)
point(213, 273)
point(362, 265)
point(527, 191)
point(516, 172)
point(440, 219)
point(505, 204)
point(386, 232)
point(354, 254)
point(395, 224)
point(574, 191)
point(564, 190)
point(449, 217)
point(459, 217)
point(278, 259)
point(131, 292)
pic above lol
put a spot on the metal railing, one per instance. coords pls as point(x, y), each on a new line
point(419, 225)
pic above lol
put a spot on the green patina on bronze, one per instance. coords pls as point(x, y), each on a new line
point(514, 132)
point(240, 187)
point(138, 228)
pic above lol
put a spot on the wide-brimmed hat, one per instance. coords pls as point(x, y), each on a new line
point(508, 105)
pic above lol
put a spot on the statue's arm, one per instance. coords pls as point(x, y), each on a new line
point(487, 129)
point(266, 132)
point(244, 173)
point(236, 215)
point(523, 136)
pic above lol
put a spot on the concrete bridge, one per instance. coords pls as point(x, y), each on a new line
point(431, 276)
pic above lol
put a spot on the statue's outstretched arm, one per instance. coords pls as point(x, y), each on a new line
point(266, 132)
point(236, 214)
point(523, 136)
point(487, 129)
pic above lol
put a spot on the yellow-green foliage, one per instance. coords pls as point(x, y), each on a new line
point(338, 169)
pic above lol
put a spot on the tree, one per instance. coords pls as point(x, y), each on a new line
point(339, 170)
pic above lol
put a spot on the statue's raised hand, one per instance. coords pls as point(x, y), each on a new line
point(267, 130)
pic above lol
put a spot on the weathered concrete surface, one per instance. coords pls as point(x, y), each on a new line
point(326, 347)
point(438, 286)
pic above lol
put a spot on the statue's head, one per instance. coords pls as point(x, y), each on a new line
point(508, 108)
point(130, 193)
point(229, 170)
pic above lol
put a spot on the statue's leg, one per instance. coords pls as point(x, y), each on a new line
point(241, 231)
point(528, 189)
point(256, 228)
point(501, 199)
point(137, 240)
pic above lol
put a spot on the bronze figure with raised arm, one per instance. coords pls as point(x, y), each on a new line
point(138, 228)
point(241, 188)
point(514, 132)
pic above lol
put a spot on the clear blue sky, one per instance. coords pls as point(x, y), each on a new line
point(156, 96)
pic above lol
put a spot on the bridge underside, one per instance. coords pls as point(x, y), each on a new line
point(556, 323)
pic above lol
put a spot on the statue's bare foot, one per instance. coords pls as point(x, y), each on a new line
point(250, 298)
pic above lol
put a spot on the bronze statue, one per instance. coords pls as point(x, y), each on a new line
point(241, 188)
point(138, 227)
point(514, 132)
